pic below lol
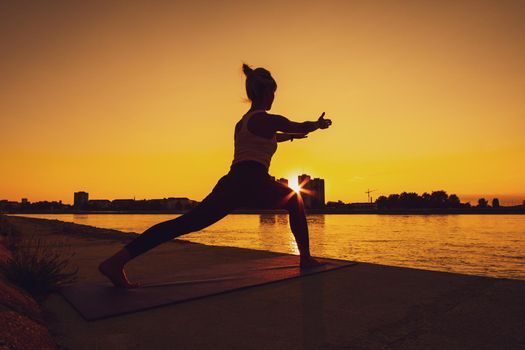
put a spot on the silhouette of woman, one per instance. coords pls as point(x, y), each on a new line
point(247, 184)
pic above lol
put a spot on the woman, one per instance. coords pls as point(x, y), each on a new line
point(246, 185)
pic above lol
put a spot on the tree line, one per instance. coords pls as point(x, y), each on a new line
point(411, 200)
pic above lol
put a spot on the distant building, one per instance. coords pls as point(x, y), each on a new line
point(25, 201)
point(99, 204)
point(123, 204)
point(283, 181)
point(151, 204)
point(80, 200)
point(179, 203)
point(313, 191)
point(9, 205)
point(338, 204)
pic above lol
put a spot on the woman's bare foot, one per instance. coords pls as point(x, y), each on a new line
point(116, 275)
point(308, 261)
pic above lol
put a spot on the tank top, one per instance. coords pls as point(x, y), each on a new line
point(249, 146)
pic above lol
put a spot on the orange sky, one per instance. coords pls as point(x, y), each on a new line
point(140, 99)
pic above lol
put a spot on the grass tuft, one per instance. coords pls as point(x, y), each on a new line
point(40, 268)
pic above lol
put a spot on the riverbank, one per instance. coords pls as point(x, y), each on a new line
point(367, 306)
point(21, 318)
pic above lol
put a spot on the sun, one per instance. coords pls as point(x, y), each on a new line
point(292, 183)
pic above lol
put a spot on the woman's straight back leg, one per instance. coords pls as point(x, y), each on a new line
point(219, 203)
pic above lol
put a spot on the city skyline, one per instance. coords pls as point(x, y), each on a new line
point(505, 199)
point(468, 198)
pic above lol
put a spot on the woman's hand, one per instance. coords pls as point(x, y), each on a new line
point(323, 123)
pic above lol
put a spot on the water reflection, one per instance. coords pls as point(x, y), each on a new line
point(273, 219)
point(267, 219)
point(317, 219)
point(80, 216)
point(282, 219)
point(492, 245)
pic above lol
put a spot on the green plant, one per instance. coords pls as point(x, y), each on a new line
point(40, 268)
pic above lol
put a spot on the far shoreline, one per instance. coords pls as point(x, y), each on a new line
point(516, 210)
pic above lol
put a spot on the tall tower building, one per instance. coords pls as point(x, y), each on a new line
point(313, 194)
point(303, 179)
point(318, 188)
point(80, 200)
point(304, 182)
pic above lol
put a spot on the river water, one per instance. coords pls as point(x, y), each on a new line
point(489, 245)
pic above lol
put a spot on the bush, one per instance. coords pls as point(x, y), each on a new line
point(8, 233)
point(38, 268)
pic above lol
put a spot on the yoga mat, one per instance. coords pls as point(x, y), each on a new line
point(101, 300)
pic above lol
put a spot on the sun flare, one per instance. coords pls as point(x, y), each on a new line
point(294, 185)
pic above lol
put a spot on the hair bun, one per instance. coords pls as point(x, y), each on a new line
point(247, 69)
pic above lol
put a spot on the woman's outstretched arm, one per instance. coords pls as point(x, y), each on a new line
point(267, 125)
point(283, 124)
point(283, 136)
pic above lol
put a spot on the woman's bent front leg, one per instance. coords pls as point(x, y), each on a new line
point(298, 224)
point(299, 227)
point(273, 194)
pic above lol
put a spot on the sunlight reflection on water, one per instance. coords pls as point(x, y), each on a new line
point(490, 245)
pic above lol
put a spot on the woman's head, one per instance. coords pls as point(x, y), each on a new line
point(260, 86)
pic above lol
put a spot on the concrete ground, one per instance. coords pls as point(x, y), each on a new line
point(365, 306)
